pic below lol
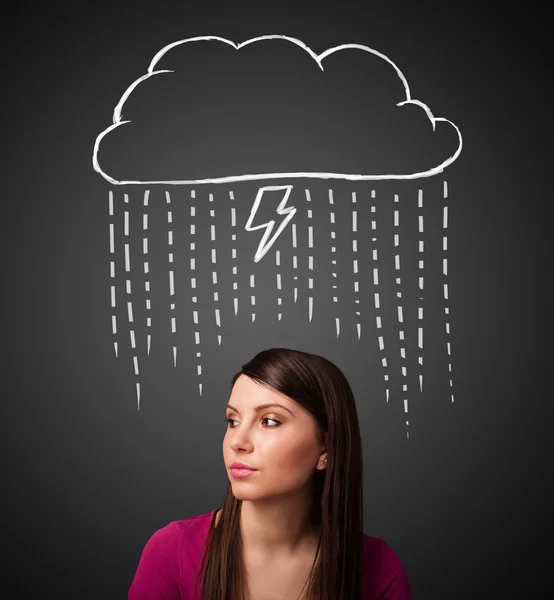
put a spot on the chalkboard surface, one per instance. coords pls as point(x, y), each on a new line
point(189, 185)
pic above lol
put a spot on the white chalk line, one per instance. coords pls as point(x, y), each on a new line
point(445, 273)
point(193, 287)
point(146, 271)
point(399, 307)
point(355, 262)
point(282, 210)
point(278, 276)
point(252, 297)
point(310, 258)
point(420, 306)
point(118, 121)
point(126, 232)
point(112, 272)
point(214, 273)
point(380, 338)
point(234, 252)
point(173, 319)
point(334, 261)
point(295, 262)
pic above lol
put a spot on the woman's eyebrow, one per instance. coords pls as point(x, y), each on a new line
point(262, 406)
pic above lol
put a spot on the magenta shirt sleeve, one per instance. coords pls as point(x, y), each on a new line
point(386, 577)
point(398, 586)
point(159, 572)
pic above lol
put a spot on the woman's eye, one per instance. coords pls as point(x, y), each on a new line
point(231, 421)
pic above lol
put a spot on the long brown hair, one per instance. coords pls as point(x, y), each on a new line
point(321, 388)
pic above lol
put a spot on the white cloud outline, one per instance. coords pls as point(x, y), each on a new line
point(117, 119)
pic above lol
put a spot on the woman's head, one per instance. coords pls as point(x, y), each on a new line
point(289, 455)
point(276, 435)
point(324, 426)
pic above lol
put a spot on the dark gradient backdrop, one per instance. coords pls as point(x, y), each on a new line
point(466, 500)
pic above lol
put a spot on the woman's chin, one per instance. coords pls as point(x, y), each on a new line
point(246, 495)
point(243, 495)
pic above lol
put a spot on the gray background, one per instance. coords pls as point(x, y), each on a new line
point(88, 478)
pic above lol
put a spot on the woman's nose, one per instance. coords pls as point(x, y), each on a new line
point(241, 439)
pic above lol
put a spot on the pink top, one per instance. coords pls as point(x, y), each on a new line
point(168, 564)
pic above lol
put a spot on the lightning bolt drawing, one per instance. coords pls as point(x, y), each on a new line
point(289, 211)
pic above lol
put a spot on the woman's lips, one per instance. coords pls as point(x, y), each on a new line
point(241, 472)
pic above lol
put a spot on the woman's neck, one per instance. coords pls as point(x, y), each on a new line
point(278, 529)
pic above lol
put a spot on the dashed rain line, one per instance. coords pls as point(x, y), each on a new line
point(171, 274)
point(146, 272)
point(310, 258)
point(278, 263)
point(400, 304)
point(129, 302)
point(420, 298)
point(234, 251)
point(193, 286)
point(295, 261)
point(214, 273)
point(252, 298)
point(377, 301)
point(445, 273)
point(355, 261)
point(112, 271)
point(334, 262)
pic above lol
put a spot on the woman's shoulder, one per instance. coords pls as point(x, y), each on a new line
point(375, 544)
point(379, 554)
point(170, 558)
point(384, 570)
point(189, 531)
point(198, 519)
point(184, 538)
point(197, 523)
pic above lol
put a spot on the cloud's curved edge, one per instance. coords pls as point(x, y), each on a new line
point(117, 120)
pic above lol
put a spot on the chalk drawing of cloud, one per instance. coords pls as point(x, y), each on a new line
point(273, 110)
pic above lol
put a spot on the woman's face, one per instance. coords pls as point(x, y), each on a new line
point(283, 446)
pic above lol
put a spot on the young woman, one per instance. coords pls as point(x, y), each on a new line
point(291, 526)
